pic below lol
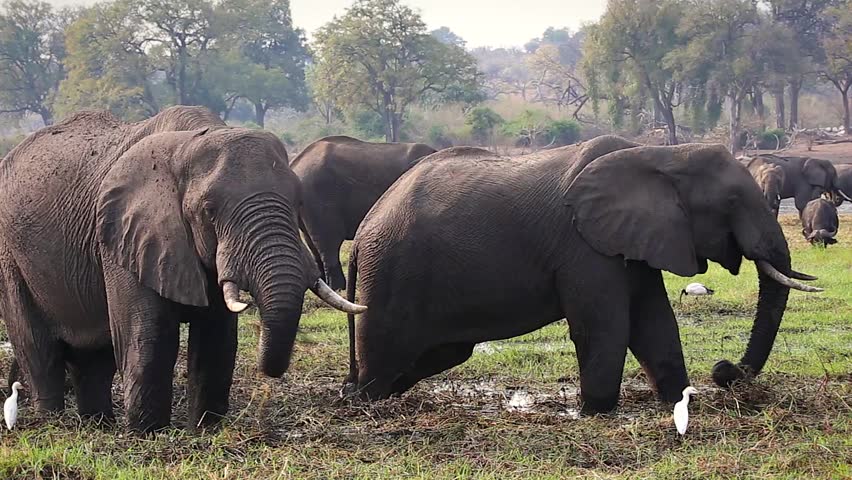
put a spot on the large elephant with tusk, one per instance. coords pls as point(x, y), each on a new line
point(113, 234)
point(469, 247)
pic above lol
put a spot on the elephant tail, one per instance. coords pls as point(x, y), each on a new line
point(351, 281)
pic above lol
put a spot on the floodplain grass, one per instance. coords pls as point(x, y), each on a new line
point(510, 411)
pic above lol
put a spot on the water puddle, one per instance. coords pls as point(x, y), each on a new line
point(491, 397)
point(491, 348)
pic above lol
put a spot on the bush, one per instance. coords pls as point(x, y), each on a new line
point(287, 139)
point(536, 128)
point(438, 137)
point(366, 124)
point(482, 121)
point(564, 132)
point(771, 139)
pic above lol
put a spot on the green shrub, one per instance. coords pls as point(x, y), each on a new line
point(252, 125)
point(772, 139)
point(438, 137)
point(366, 124)
point(287, 139)
point(564, 132)
point(482, 121)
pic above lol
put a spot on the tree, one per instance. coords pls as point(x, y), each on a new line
point(182, 31)
point(837, 43)
point(505, 71)
point(732, 47)
point(107, 64)
point(448, 37)
point(808, 22)
point(482, 121)
point(32, 49)
point(378, 55)
point(556, 82)
point(264, 55)
point(626, 52)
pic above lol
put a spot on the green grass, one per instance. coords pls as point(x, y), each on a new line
point(794, 421)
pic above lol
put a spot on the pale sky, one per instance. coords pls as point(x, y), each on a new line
point(497, 23)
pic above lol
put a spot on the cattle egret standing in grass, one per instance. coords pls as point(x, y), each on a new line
point(10, 408)
point(681, 412)
point(696, 289)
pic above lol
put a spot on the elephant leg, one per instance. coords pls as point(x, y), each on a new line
point(312, 246)
point(598, 317)
point(92, 372)
point(211, 356)
point(434, 361)
point(326, 238)
point(145, 334)
point(654, 336)
point(38, 354)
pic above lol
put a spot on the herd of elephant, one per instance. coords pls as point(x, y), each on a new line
point(817, 185)
point(112, 234)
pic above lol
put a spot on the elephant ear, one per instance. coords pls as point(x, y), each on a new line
point(625, 204)
point(816, 171)
point(141, 225)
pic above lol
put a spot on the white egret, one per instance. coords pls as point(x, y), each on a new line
point(10, 408)
point(695, 289)
point(681, 413)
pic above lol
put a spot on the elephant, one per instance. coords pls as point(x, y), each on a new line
point(111, 234)
point(342, 178)
point(820, 222)
point(844, 184)
point(469, 247)
point(805, 178)
point(770, 179)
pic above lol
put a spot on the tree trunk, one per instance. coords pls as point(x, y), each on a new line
point(795, 88)
point(778, 94)
point(260, 114)
point(845, 95)
point(47, 116)
point(734, 109)
point(759, 107)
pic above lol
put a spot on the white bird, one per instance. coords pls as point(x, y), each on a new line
point(10, 408)
point(681, 413)
point(695, 289)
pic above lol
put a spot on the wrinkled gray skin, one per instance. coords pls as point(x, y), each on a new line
point(342, 178)
point(111, 234)
point(804, 178)
point(467, 247)
point(844, 184)
point(820, 222)
point(770, 179)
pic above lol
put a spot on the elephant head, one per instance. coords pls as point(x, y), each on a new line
point(770, 179)
point(817, 177)
point(181, 209)
point(677, 207)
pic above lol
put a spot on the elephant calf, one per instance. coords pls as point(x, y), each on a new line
point(469, 247)
point(342, 178)
point(820, 222)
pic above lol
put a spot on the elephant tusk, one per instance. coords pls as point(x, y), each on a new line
point(802, 276)
point(231, 292)
point(843, 194)
point(779, 277)
point(329, 296)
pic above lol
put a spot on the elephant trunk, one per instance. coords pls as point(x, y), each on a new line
point(772, 301)
point(260, 251)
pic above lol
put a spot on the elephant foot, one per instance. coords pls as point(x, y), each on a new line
point(726, 373)
point(593, 406)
